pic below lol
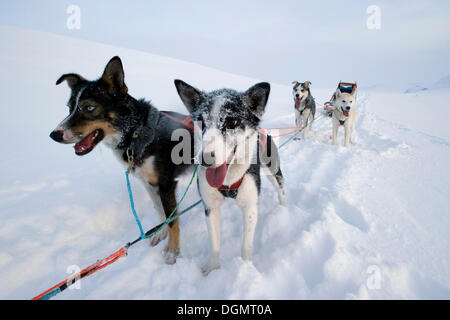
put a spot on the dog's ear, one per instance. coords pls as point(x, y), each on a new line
point(338, 92)
point(306, 84)
point(256, 97)
point(295, 83)
point(72, 79)
point(114, 77)
point(190, 96)
point(354, 90)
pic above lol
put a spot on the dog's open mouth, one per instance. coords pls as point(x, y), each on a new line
point(88, 143)
point(216, 176)
point(345, 112)
point(298, 102)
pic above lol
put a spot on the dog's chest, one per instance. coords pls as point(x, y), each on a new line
point(147, 171)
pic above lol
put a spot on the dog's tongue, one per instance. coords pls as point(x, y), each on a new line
point(216, 176)
point(345, 113)
point(298, 102)
point(85, 144)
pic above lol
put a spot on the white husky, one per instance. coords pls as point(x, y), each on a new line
point(344, 115)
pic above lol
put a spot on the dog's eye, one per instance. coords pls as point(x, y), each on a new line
point(343, 101)
point(231, 123)
point(89, 108)
point(351, 101)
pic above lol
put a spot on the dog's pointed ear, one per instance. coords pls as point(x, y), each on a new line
point(338, 92)
point(114, 77)
point(295, 83)
point(256, 97)
point(307, 84)
point(190, 96)
point(354, 90)
point(72, 79)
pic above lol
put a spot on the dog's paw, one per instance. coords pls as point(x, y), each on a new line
point(246, 255)
point(170, 256)
point(210, 266)
point(157, 238)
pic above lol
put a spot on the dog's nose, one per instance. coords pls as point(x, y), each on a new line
point(297, 95)
point(57, 135)
point(348, 108)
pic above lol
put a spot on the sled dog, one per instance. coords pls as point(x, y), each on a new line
point(344, 114)
point(305, 106)
point(138, 134)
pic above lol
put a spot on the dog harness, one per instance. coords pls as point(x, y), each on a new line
point(231, 191)
point(187, 122)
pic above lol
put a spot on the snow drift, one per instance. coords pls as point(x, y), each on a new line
point(370, 221)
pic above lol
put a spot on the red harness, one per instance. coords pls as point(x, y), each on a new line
point(234, 186)
point(187, 122)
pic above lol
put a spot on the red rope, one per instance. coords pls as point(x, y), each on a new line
point(86, 272)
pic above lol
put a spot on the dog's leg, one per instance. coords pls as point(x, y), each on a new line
point(306, 114)
point(347, 131)
point(213, 223)
point(280, 187)
point(298, 121)
point(247, 200)
point(352, 132)
point(335, 131)
point(277, 181)
point(169, 203)
point(297, 118)
point(156, 199)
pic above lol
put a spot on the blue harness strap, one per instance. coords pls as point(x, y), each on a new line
point(130, 194)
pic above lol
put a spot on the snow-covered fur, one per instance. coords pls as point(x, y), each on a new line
point(344, 115)
point(227, 147)
point(305, 105)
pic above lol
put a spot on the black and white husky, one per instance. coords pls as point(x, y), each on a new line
point(102, 110)
point(232, 152)
point(305, 106)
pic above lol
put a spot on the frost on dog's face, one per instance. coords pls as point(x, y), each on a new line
point(345, 101)
point(300, 91)
point(225, 121)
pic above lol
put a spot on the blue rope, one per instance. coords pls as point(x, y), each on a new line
point(132, 205)
point(293, 136)
point(51, 294)
point(192, 206)
point(290, 138)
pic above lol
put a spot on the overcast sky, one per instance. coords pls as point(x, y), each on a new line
point(278, 41)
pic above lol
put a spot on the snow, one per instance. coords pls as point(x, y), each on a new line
point(442, 83)
point(368, 222)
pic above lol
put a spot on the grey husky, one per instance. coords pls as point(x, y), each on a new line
point(305, 105)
